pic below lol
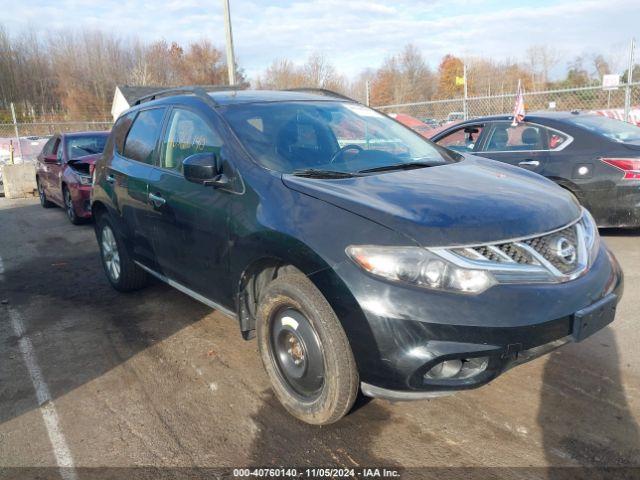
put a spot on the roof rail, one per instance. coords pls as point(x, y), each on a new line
point(195, 90)
point(320, 91)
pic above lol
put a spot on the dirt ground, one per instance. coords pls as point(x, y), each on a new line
point(155, 379)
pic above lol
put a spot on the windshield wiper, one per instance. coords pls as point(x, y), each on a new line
point(402, 166)
point(316, 173)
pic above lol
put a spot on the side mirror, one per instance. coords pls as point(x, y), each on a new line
point(205, 169)
point(51, 159)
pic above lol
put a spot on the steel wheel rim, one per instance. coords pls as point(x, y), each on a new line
point(110, 255)
point(297, 353)
point(67, 200)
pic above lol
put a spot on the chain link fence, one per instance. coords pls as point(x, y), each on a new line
point(608, 102)
point(27, 139)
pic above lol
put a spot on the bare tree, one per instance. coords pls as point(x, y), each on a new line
point(403, 78)
point(541, 59)
point(317, 72)
point(73, 74)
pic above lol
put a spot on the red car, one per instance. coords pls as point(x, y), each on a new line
point(413, 123)
point(64, 172)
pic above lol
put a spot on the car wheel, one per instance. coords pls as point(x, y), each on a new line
point(43, 196)
point(122, 272)
point(305, 351)
point(69, 208)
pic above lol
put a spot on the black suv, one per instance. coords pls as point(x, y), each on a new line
point(361, 255)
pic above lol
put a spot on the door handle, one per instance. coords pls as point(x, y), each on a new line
point(156, 200)
point(111, 179)
point(529, 163)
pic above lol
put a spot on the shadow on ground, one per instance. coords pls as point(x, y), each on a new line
point(584, 415)
point(78, 324)
point(284, 440)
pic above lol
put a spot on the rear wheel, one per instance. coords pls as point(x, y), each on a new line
point(122, 272)
point(69, 208)
point(305, 351)
point(43, 196)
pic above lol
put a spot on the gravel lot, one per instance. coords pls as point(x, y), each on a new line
point(156, 379)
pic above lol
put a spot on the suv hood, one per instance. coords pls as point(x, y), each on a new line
point(469, 202)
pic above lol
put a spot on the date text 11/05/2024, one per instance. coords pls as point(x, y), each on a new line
point(313, 473)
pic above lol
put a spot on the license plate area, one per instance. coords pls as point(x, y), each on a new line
point(589, 320)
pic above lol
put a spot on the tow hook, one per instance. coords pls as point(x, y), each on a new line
point(512, 351)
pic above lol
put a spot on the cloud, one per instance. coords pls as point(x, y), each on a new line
point(354, 34)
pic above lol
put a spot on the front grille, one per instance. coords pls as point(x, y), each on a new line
point(518, 254)
point(503, 253)
point(547, 247)
point(561, 253)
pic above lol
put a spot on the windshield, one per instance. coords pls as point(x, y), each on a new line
point(614, 129)
point(86, 145)
point(290, 137)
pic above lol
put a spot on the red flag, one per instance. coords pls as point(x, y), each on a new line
point(518, 108)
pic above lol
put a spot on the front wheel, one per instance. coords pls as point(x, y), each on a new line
point(305, 351)
point(122, 272)
point(69, 207)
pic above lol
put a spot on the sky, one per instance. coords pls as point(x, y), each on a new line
point(354, 34)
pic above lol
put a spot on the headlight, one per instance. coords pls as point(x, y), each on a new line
point(84, 180)
point(591, 235)
point(419, 267)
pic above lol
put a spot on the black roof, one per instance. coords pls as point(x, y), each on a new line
point(555, 115)
point(133, 92)
point(252, 96)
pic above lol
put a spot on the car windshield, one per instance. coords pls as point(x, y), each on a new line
point(293, 137)
point(85, 145)
point(614, 129)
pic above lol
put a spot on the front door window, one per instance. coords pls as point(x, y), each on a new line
point(463, 139)
point(187, 134)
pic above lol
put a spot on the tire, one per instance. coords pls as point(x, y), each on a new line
point(122, 272)
point(70, 210)
point(44, 203)
point(291, 306)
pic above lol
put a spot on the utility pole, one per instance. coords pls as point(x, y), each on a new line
point(15, 126)
point(367, 87)
point(231, 61)
point(627, 90)
point(464, 102)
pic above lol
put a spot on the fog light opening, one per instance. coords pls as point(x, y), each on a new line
point(457, 368)
point(445, 369)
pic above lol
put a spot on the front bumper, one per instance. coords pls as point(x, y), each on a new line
point(410, 330)
point(81, 197)
point(505, 363)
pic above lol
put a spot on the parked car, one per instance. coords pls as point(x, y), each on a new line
point(412, 122)
point(430, 122)
point(455, 117)
point(594, 157)
point(64, 172)
point(378, 260)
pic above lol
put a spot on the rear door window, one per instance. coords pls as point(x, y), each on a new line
point(120, 130)
point(59, 151)
point(523, 137)
point(141, 141)
point(557, 139)
point(48, 147)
